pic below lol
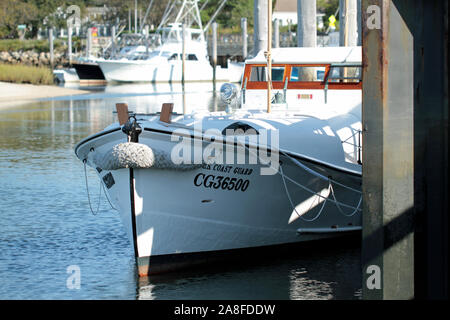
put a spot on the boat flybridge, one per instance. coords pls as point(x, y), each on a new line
point(190, 185)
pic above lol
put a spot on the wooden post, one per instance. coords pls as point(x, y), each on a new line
point(244, 37)
point(129, 20)
point(388, 152)
point(307, 33)
point(113, 41)
point(88, 42)
point(183, 54)
point(122, 113)
point(405, 137)
point(69, 44)
point(135, 17)
point(260, 26)
point(183, 65)
point(214, 52)
point(306, 28)
point(269, 56)
point(348, 34)
point(50, 39)
point(166, 112)
point(359, 23)
point(146, 30)
point(276, 33)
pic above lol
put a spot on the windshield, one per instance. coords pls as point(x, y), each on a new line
point(156, 53)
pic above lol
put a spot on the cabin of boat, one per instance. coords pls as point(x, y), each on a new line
point(304, 76)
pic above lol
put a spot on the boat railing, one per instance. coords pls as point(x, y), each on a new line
point(355, 142)
point(244, 88)
point(343, 75)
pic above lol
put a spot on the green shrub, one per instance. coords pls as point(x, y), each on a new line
point(25, 74)
point(24, 45)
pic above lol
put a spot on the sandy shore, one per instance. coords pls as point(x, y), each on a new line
point(12, 94)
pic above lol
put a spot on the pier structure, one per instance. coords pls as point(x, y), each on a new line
point(405, 153)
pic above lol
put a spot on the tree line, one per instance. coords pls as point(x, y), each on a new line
point(35, 14)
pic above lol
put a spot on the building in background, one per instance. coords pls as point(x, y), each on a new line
point(286, 12)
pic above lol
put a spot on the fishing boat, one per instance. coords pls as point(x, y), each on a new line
point(129, 47)
point(199, 184)
point(182, 55)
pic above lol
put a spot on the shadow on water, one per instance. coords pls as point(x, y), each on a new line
point(321, 270)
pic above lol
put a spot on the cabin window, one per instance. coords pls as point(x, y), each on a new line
point(299, 74)
point(277, 73)
point(345, 74)
point(259, 74)
point(174, 56)
point(192, 57)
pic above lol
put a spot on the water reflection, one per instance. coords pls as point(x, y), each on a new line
point(329, 273)
point(149, 97)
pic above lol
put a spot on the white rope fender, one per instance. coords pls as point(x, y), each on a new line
point(137, 156)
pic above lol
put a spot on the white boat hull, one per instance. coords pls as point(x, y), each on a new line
point(169, 213)
point(171, 71)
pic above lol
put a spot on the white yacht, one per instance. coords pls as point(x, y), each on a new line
point(166, 63)
point(200, 184)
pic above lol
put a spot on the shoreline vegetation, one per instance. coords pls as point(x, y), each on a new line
point(19, 73)
point(42, 45)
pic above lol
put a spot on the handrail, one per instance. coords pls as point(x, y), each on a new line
point(244, 88)
point(339, 65)
point(358, 145)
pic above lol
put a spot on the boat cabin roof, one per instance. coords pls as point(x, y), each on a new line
point(318, 55)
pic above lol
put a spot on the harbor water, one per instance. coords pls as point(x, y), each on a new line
point(49, 234)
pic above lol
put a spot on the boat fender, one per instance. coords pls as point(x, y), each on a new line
point(125, 155)
point(137, 156)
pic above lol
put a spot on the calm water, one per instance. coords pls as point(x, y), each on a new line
point(46, 224)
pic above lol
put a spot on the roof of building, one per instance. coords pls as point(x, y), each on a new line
point(285, 6)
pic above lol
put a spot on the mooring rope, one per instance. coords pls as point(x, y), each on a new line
point(298, 163)
point(316, 174)
point(87, 191)
point(107, 197)
point(339, 208)
point(292, 204)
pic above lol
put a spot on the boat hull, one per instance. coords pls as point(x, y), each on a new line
point(220, 207)
point(88, 71)
point(142, 71)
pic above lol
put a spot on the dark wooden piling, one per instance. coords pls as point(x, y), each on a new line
point(405, 154)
